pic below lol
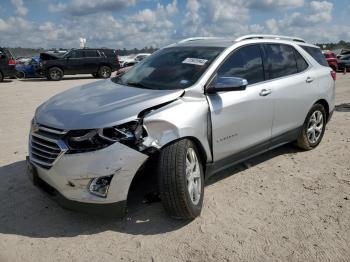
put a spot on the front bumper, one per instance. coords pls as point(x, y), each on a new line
point(69, 178)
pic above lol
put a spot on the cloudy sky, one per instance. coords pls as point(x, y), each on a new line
point(140, 23)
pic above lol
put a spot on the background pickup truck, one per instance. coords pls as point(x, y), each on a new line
point(98, 62)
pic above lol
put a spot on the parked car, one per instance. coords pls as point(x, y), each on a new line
point(98, 62)
point(341, 52)
point(192, 109)
point(133, 59)
point(344, 63)
point(28, 69)
point(7, 64)
point(331, 60)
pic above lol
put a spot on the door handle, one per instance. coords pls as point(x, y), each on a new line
point(309, 80)
point(265, 92)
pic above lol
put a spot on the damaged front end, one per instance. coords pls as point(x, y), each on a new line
point(131, 134)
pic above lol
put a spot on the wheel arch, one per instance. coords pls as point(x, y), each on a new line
point(198, 144)
point(104, 64)
point(325, 104)
point(60, 67)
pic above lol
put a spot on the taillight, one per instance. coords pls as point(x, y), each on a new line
point(334, 75)
point(12, 62)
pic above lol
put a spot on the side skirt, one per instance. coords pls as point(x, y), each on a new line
point(213, 168)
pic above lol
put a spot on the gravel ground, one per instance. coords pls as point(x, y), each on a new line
point(285, 205)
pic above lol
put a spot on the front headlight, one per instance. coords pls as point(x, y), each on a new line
point(80, 141)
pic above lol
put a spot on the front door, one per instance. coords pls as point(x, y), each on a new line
point(242, 120)
point(75, 63)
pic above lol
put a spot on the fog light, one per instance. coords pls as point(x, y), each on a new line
point(99, 186)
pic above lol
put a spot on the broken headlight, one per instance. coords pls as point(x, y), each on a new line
point(129, 134)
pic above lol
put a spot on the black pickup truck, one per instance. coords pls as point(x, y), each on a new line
point(98, 62)
point(7, 64)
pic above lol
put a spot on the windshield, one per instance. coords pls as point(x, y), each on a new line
point(170, 68)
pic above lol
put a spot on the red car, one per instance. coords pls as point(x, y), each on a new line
point(332, 60)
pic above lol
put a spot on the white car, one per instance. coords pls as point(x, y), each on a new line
point(191, 109)
point(131, 60)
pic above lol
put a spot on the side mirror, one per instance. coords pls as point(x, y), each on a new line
point(223, 83)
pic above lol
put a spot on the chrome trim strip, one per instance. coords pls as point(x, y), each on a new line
point(41, 144)
point(54, 131)
point(44, 151)
point(35, 160)
point(45, 138)
point(43, 156)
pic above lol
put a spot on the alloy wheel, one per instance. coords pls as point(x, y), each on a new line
point(315, 127)
point(193, 176)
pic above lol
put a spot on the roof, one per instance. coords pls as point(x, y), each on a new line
point(226, 42)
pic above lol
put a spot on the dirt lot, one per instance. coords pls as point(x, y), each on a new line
point(286, 205)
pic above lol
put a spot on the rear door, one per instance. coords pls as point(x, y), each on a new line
point(294, 88)
point(242, 120)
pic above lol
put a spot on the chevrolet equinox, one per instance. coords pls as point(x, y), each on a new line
point(193, 108)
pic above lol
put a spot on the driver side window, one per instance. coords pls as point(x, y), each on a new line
point(245, 63)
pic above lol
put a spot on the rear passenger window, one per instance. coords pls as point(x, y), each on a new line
point(91, 53)
point(245, 63)
point(109, 53)
point(280, 60)
point(301, 63)
point(316, 54)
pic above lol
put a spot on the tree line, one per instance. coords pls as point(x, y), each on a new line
point(333, 46)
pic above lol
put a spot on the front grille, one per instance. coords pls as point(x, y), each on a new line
point(46, 145)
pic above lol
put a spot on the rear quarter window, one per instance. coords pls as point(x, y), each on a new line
point(316, 54)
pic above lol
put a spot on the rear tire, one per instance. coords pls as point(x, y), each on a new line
point(313, 129)
point(20, 75)
point(105, 72)
point(181, 180)
point(1, 77)
point(55, 74)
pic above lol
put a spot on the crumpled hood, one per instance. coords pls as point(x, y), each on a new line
point(100, 104)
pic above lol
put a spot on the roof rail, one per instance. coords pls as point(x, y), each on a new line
point(197, 38)
point(280, 37)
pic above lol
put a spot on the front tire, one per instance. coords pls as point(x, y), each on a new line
point(181, 180)
point(1, 77)
point(55, 74)
point(313, 129)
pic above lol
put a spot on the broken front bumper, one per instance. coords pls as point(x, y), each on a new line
point(69, 178)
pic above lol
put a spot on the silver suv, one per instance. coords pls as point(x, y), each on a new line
point(192, 109)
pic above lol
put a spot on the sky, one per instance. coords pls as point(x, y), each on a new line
point(139, 23)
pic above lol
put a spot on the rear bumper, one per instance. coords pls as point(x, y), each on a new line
point(9, 71)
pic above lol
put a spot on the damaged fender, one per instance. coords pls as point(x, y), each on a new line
point(185, 117)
